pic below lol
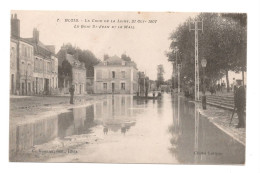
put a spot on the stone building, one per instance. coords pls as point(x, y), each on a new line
point(45, 66)
point(72, 72)
point(115, 75)
point(21, 61)
point(13, 65)
point(34, 66)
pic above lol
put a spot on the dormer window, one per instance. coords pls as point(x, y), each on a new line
point(105, 62)
point(123, 63)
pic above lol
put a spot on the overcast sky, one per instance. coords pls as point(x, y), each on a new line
point(146, 44)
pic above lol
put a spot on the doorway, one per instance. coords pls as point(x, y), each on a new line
point(33, 90)
point(46, 86)
point(12, 84)
point(80, 89)
point(22, 88)
point(36, 85)
point(29, 88)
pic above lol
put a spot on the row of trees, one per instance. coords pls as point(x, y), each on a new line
point(123, 57)
point(223, 43)
point(160, 78)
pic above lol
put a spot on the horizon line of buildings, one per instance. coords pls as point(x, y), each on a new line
point(36, 69)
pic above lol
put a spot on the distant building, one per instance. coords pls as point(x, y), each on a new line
point(115, 75)
point(232, 77)
point(34, 67)
point(72, 72)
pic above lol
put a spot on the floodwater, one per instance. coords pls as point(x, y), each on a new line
point(169, 130)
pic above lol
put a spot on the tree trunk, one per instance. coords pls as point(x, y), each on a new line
point(243, 78)
point(227, 81)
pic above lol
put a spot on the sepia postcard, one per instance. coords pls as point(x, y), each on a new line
point(128, 87)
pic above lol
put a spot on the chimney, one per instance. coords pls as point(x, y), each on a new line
point(15, 26)
point(36, 35)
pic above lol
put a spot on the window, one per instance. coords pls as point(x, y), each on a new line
point(105, 86)
point(56, 82)
point(49, 65)
point(25, 52)
point(35, 64)
point(28, 70)
point(12, 57)
point(113, 74)
point(123, 74)
point(53, 66)
point(42, 66)
point(22, 68)
point(122, 86)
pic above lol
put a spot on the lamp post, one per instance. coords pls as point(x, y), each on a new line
point(176, 63)
point(203, 64)
point(179, 81)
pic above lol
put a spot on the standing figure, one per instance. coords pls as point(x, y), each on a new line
point(222, 86)
point(105, 130)
point(240, 103)
point(146, 92)
point(71, 90)
point(123, 130)
point(218, 87)
point(153, 94)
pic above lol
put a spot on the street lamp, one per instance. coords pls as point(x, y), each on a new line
point(176, 49)
point(203, 64)
point(179, 81)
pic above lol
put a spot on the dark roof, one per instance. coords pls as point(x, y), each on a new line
point(116, 61)
point(74, 61)
point(21, 39)
point(39, 48)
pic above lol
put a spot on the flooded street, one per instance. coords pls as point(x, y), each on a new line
point(120, 129)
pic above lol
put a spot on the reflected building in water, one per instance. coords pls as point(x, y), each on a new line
point(25, 136)
point(115, 112)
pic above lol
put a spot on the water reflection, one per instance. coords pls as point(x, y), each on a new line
point(76, 122)
point(25, 136)
point(194, 140)
point(116, 113)
point(190, 138)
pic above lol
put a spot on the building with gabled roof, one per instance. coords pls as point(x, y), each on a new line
point(72, 72)
point(34, 67)
point(114, 75)
point(45, 66)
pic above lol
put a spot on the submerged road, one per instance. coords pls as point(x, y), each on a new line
point(120, 129)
